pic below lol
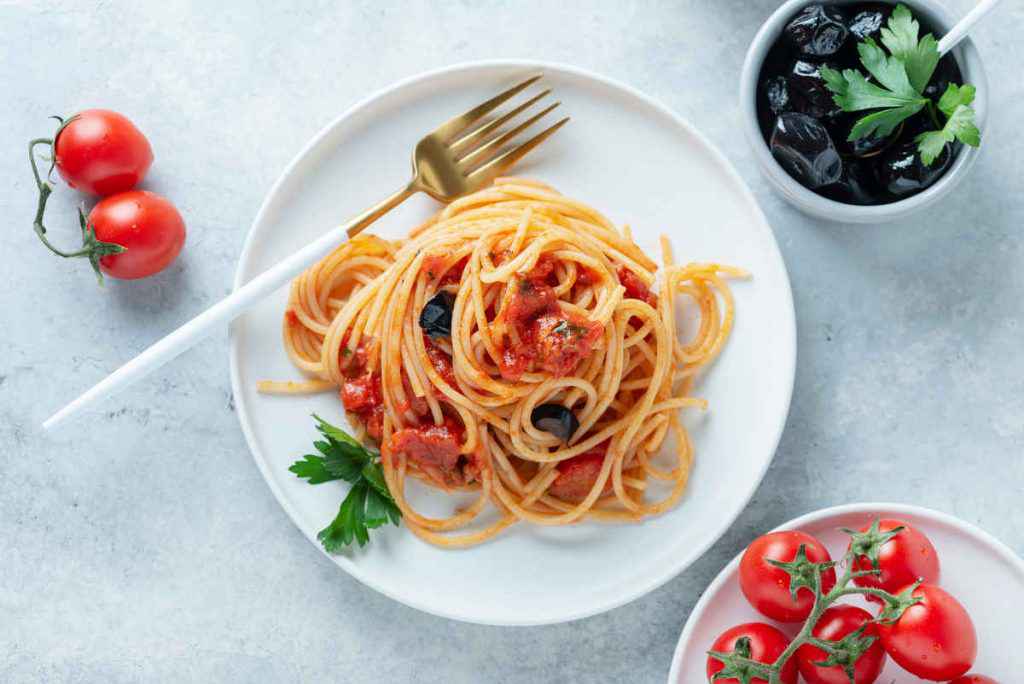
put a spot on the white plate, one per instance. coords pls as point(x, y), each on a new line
point(639, 164)
point(978, 569)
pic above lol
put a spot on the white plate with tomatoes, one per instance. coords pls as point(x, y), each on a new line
point(972, 581)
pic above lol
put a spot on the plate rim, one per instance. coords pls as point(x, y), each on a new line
point(968, 528)
point(656, 579)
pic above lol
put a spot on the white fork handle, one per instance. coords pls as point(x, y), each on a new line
point(225, 310)
point(959, 32)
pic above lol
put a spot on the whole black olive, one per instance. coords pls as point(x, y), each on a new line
point(817, 31)
point(869, 146)
point(856, 185)
point(804, 148)
point(902, 173)
point(776, 90)
point(809, 93)
point(436, 317)
point(556, 419)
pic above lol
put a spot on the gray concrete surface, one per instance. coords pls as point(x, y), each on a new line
point(142, 544)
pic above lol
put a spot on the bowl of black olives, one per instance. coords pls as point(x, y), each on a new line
point(853, 114)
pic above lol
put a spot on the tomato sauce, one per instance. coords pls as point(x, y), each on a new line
point(577, 475)
point(435, 448)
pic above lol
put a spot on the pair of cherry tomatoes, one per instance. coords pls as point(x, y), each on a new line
point(102, 153)
point(933, 638)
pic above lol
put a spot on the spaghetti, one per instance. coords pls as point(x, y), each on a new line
point(552, 313)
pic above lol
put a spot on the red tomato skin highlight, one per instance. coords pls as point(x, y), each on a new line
point(835, 623)
point(102, 152)
point(974, 679)
point(935, 639)
point(766, 644)
point(767, 587)
point(904, 559)
point(146, 224)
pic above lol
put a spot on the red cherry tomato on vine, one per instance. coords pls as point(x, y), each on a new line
point(766, 644)
point(835, 623)
point(146, 224)
point(974, 679)
point(767, 587)
point(101, 152)
point(934, 639)
point(904, 559)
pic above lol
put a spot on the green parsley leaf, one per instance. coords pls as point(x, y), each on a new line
point(881, 124)
point(918, 57)
point(313, 468)
point(956, 96)
point(889, 71)
point(367, 505)
point(853, 92)
point(959, 126)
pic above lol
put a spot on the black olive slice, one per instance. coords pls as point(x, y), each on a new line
point(556, 419)
point(436, 317)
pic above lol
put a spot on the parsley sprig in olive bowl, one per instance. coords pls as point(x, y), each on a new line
point(851, 112)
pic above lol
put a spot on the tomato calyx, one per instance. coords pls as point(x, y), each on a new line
point(802, 572)
point(870, 542)
point(846, 651)
point(896, 604)
point(92, 248)
point(738, 664)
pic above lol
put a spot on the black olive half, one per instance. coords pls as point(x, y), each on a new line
point(556, 419)
point(436, 317)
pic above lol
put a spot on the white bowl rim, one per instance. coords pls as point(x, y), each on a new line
point(657, 579)
point(723, 576)
point(969, 60)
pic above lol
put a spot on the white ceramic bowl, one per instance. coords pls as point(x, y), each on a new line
point(807, 200)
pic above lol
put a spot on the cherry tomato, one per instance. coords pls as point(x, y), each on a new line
point(835, 623)
point(934, 639)
point(101, 152)
point(904, 559)
point(974, 679)
point(146, 224)
point(767, 587)
point(766, 644)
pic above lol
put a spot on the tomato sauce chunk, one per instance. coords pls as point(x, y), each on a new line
point(441, 362)
point(577, 475)
point(435, 448)
point(433, 264)
point(362, 396)
point(532, 297)
point(635, 287)
point(563, 339)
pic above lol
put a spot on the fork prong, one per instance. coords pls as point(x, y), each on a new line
point(449, 129)
point(481, 132)
point(500, 164)
point(486, 151)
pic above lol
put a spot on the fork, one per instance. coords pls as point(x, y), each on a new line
point(462, 155)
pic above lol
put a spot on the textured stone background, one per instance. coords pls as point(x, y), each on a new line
point(141, 544)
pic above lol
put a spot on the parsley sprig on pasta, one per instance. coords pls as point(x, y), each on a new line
point(367, 505)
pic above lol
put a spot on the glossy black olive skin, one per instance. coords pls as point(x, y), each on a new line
point(818, 31)
point(901, 172)
point(809, 93)
point(555, 419)
point(856, 185)
point(436, 317)
point(804, 148)
point(870, 146)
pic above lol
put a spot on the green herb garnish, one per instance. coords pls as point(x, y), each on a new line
point(897, 91)
point(368, 503)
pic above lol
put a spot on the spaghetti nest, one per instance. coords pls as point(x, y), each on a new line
point(553, 312)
